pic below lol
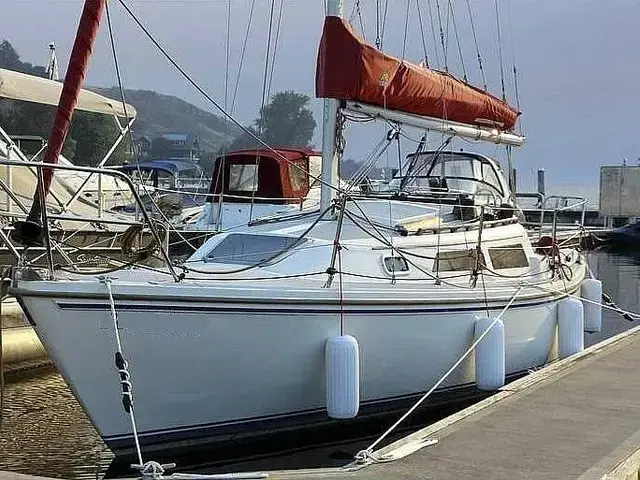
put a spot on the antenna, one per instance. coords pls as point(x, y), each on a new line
point(52, 64)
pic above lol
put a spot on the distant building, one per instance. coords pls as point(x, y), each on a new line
point(143, 145)
point(182, 146)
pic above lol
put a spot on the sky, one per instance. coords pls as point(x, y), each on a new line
point(576, 60)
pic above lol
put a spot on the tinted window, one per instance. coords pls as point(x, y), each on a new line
point(395, 264)
point(510, 256)
point(243, 177)
point(458, 260)
point(246, 249)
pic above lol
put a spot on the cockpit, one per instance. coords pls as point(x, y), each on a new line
point(446, 173)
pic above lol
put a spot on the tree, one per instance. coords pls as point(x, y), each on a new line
point(286, 121)
point(10, 59)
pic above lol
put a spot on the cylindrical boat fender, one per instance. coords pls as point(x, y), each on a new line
point(591, 290)
point(535, 265)
point(490, 354)
point(570, 327)
point(342, 365)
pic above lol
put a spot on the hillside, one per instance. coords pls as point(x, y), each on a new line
point(159, 113)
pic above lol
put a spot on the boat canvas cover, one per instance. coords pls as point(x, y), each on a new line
point(350, 69)
point(29, 88)
point(282, 175)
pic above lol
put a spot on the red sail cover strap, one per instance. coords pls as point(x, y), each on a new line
point(73, 80)
point(350, 69)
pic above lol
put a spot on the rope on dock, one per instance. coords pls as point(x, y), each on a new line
point(366, 455)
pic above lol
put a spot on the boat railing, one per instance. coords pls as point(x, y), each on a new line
point(206, 195)
point(550, 207)
point(56, 213)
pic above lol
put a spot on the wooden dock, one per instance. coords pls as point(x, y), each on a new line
point(578, 418)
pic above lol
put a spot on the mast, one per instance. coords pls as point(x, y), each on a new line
point(330, 158)
point(30, 232)
point(52, 64)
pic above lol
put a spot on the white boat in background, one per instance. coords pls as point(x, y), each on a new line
point(239, 344)
point(103, 191)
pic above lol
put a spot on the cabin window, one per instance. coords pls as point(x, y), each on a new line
point(243, 177)
point(395, 265)
point(248, 249)
point(298, 176)
point(509, 256)
point(457, 260)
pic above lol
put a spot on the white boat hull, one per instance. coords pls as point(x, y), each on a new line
point(244, 367)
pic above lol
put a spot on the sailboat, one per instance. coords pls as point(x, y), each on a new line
point(242, 343)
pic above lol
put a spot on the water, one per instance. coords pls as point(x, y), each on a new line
point(45, 431)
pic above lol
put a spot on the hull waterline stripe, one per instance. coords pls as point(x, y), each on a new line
point(265, 310)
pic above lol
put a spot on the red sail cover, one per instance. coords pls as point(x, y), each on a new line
point(350, 69)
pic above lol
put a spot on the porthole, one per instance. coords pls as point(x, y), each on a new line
point(394, 265)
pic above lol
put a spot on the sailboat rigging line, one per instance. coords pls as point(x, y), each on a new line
point(276, 43)
point(262, 108)
point(459, 44)
point(579, 297)
point(341, 290)
point(422, 36)
point(433, 34)
point(209, 98)
point(42, 198)
point(220, 171)
point(331, 269)
point(242, 52)
point(442, 42)
point(414, 169)
point(371, 160)
point(399, 279)
point(480, 263)
point(385, 242)
point(266, 67)
point(367, 454)
point(504, 93)
point(360, 19)
point(404, 251)
point(437, 259)
point(406, 29)
point(513, 61)
point(396, 135)
point(384, 23)
point(475, 42)
point(135, 152)
point(377, 41)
